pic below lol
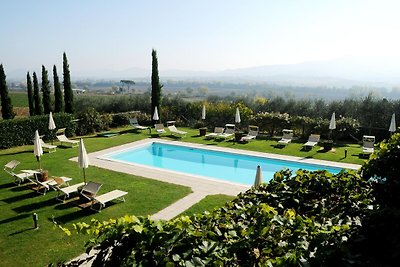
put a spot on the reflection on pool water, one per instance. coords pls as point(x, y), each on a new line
point(232, 167)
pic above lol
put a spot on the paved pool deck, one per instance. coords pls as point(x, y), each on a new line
point(200, 186)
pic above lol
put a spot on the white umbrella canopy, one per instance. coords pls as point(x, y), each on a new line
point(155, 114)
point(37, 147)
point(52, 125)
point(83, 159)
point(332, 124)
point(203, 113)
point(392, 127)
point(259, 177)
point(237, 116)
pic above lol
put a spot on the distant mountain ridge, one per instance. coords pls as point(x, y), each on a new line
point(341, 72)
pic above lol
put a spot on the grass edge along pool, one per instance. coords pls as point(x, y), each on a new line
point(219, 165)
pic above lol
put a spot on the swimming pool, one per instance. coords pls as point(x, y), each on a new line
point(225, 166)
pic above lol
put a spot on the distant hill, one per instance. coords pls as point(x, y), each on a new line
point(344, 72)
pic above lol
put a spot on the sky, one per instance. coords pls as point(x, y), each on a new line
point(204, 35)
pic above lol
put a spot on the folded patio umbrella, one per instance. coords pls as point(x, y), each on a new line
point(155, 115)
point(83, 159)
point(259, 177)
point(203, 113)
point(52, 125)
point(237, 116)
point(332, 124)
point(392, 127)
point(37, 147)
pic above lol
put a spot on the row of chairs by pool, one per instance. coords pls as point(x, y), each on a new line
point(227, 133)
point(41, 184)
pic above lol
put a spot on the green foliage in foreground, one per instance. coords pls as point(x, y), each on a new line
point(290, 221)
point(383, 166)
point(208, 203)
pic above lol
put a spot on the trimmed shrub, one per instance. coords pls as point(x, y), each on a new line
point(91, 121)
point(297, 220)
point(18, 132)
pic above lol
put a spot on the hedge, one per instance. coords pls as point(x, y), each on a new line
point(294, 220)
point(19, 132)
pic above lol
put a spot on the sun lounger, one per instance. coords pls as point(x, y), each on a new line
point(217, 131)
point(312, 141)
point(49, 148)
point(175, 131)
point(67, 142)
point(286, 138)
point(135, 124)
point(107, 197)
point(368, 144)
point(20, 177)
point(253, 132)
point(41, 185)
point(90, 190)
point(159, 128)
point(229, 131)
point(66, 191)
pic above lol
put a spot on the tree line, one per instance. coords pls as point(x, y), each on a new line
point(41, 102)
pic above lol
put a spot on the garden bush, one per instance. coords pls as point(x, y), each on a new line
point(17, 132)
point(90, 121)
point(294, 220)
point(383, 168)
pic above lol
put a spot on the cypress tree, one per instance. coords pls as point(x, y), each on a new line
point(30, 95)
point(36, 96)
point(68, 94)
point(58, 98)
point(6, 106)
point(46, 91)
point(155, 84)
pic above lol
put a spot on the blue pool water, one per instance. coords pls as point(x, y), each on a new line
point(225, 166)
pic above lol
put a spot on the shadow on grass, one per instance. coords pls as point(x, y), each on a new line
point(3, 186)
point(66, 218)
point(15, 218)
point(20, 188)
point(17, 153)
point(361, 155)
point(22, 231)
point(19, 197)
point(35, 206)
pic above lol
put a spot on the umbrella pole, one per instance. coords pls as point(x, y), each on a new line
point(84, 175)
point(38, 160)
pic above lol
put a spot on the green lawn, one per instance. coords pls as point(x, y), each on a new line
point(20, 245)
point(19, 99)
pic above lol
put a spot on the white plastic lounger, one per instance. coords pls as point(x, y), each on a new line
point(286, 138)
point(49, 148)
point(159, 128)
point(66, 191)
point(20, 177)
point(217, 131)
point(312, 141)
point(107, 197)
point(90, 190)
point(135, 124)
point(368, 144)
point(253, 132)
point(67, 142)
point(176, 132)
point(229, 131)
